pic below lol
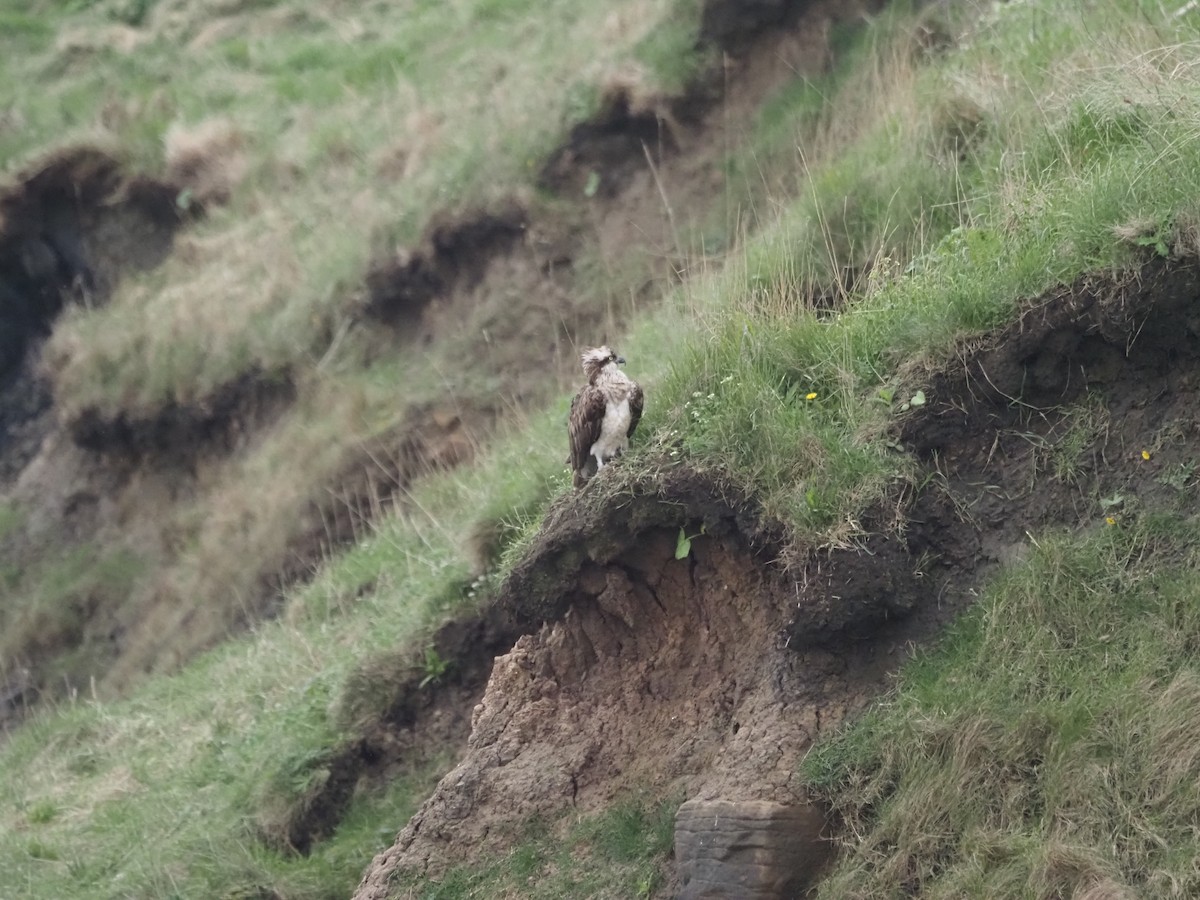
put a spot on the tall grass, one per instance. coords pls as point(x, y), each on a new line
point(1047, 748)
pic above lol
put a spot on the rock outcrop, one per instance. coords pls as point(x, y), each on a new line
point(749, 850)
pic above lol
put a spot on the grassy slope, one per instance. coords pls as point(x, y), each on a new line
point(1054, 141)
point(344, 128)
point(355, 124)
point(1076, 122)
point(1049, 746)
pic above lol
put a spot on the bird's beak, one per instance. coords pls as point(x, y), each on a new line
point(620, 360)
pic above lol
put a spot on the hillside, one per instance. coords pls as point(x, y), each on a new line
point(897, 574)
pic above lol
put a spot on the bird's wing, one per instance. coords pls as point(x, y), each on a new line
point(636, 401)
point(587, 413)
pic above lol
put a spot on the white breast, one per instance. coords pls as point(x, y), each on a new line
point(614, 431)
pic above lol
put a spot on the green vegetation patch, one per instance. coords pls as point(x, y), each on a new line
point(185, 791)
point(623, 852)
point(938, 193)
point(49, 606)
point(1049, 746)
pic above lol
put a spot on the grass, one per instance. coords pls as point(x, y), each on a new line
point(1057, 169)
point(51, 607)
point(1045, 748)
point(173, 792)
point(182, 789)
point(368, 125)
point(340, 135)
point(618, 853)
point(1086, 427)
point(1048, 142)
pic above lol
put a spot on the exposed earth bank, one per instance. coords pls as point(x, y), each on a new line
point(709, 676)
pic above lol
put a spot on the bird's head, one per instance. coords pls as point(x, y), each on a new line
point(595, 359)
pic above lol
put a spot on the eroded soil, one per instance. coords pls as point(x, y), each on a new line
point(493, 289)
point(711, 675)
point(638, 670)
point(69, 228)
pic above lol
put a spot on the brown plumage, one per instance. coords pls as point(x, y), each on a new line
point(604, 414)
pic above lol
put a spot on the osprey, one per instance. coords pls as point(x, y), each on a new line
point(604, 413)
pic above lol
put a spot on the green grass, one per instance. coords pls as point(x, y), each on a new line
point(670, 54)
point(179, 791)
point(1048, 745)
point(950, 246)
point(50, 606)
point(622, 852)
point(323, 104)
point(1051, 142)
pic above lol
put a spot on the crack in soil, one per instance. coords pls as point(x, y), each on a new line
point(455, 254)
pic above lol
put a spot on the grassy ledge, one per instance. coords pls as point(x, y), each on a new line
point(620, 853)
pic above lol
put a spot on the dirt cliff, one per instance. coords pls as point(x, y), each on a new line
point(709, 675)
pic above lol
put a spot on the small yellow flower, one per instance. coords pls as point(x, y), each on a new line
point(1145, 454)
point(1110, 520)
point(811, 396)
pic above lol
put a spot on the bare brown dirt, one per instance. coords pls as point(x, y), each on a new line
point(713, 673)
point(639, 670)
point(454, 254)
